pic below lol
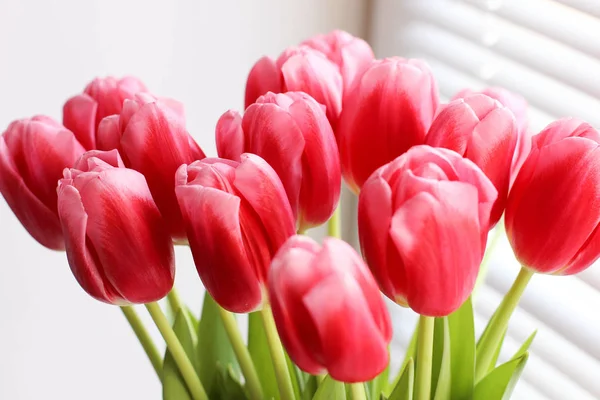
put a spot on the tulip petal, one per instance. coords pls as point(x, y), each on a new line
point(130, 237)
point(264, 77)
point(109, 134)
point(40, 221)
point(82, 257)
point(79, 116)
point(230, 136)
point(438, 238)
point(213, 228)
point(321, 173)
point(353, 348)
point(453, 127)
point(545, 219)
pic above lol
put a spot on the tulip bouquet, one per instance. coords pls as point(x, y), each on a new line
point(432, 180)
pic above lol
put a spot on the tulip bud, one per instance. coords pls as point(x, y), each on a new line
point(423, 221)
point(300, 69)
point(33, 154)
point(518, 105)
point(291, 132)
point(389, 110)
point(352, 55)
point(553, 210)
point(484, 131)
point(236, 217)
point(328, 310)
point(101, 97)
point(118, 245)
point(151, 135)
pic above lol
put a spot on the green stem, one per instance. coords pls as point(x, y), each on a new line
point(175, 302)
point(242, 354)
point(284, 381)
point(334, 225)
point(499, 322)
point(424, 358)
point(176, 349)
point(144, 337)
point(358, 391)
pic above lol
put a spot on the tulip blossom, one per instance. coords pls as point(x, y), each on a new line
point(553, 210)
point(117, 242)
point(33, 154)
point(422, 222)
point(389, 110)
point(236, 217)
point(518, 105)
point(328, 310)
point(291, 132)
point(101, 97)
point(151, 135)
point(484, 131)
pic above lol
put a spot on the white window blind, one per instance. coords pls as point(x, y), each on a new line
point(548, 51)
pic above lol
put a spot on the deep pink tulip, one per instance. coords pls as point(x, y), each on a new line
point(351, 54)
point(518, 105)
point(553, 210)
point(423, 221)
point(328, 310)
point(236, 216)
point(484, 131)
point(150, 133)
point(118, 245)
point(389, 110)
point(33, 154)
point(101, 97)
point(291, 132)
point(298, 69)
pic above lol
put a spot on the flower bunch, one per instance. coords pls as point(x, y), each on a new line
point(121, 181)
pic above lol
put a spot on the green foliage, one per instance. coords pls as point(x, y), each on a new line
point(462, 351)
point(499, 384)
point(174, 387)
point(330, 390)
point(405, 386)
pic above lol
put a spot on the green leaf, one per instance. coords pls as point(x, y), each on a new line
point(230, 388)
point(404, 388)
point(525, 346)
point(377, 385)
point(174, 387)
point(310, 388)
point(295, 375)
point(444, 380)
point(411, 353)
point(497, 352)
point(330, 390)
point(462, 351)
point(499, 384)
point(438, 351)
point(260, 353)
point(213, 347)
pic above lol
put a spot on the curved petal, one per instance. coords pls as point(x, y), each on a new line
point(40, 221)
point(109, 134)
point(230, 136)
point(96, 160)
point(79, 116)
point(264, 77)
point(213, 227)
point(586, 256)
point(439, 238)
point(453, 127)
point(321, 173)
point(545, 220)
point(81, 255)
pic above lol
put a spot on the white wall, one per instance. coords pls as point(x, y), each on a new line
point(55, 342)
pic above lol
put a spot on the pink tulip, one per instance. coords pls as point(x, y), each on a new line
point(151, 135)
point(553, 211)
point(423, 221)
point(33, 154)
point(291, 132)
point(328, 310)
point(299, 69)
point(101, 97)
point(518, 105)
point(484, 131)
point(389, 110)
point(118, 245)
point(236, 217)
point(351, 54)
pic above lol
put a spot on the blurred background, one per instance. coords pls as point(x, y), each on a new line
point(58, 343)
